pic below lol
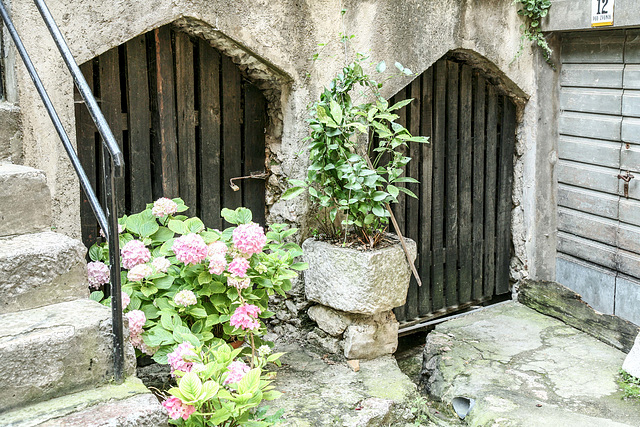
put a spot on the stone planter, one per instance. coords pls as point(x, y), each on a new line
point(356, 291)
point(362, 282)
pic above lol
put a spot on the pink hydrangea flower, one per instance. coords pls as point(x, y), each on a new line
point(126, 300)
point(246, 317)
point(190, 249)
point(98, 273)
point(178, 409)
point(138, 342)
point(137, 320)
point(185, 298)
point(161, 264)
point(238, 267)
point(217, 264)
point(163, 207)
point(239, 283)
point(176, 358)
point(237, 370)
point(134, 253)
point(139, 272)
point(217, 248)
point(120, 230)
point(249, 238)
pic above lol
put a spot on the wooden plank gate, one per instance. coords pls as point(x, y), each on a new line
point(462, 219)
point(187, 121)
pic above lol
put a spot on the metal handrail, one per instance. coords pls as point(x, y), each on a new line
point(113, 163)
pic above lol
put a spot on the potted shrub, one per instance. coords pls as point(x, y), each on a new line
point(356, 161)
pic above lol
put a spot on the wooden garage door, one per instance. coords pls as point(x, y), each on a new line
point(462, 220)
point(599, 150)
point(187, 122)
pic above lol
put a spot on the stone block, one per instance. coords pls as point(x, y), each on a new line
point(331, 321)
point(26, 201)
point(10, 133)
point(54, 350)
point(628, 299)
point(632, 361)
point(371, 337)
point(365, 282)
point(39, 269)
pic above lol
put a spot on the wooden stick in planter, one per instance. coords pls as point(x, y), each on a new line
point(399, 233)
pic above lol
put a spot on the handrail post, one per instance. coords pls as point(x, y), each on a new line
point(114, 263)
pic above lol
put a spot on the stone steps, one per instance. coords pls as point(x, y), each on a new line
point(126, 405)
point(39, 269)
point(26, 201)
point(10, 133)
point(57, 349)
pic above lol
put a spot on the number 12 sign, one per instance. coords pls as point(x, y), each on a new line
point(601, 13)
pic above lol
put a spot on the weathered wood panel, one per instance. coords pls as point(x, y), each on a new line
point(490, 195)
point(587, 250)
point(631, 130)
point(479, 112)
point(588, 226)
point(590, 125)
point(588, 100)
point(139, 123)
point(631, 103)
point(451, 207)
point(599, 47)
point(426, 178)
point(585, 200)
point(632, 47)
point(588, 176)
point(628, 238)
point(630, 211)
point(628, 263)
point(630, 159)
point(255, 106)
point(465, 170)
point(591, 151)
point(592, 75)
point(632, 76)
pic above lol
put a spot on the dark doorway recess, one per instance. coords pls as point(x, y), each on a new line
point(462, 220)
point(187, 121)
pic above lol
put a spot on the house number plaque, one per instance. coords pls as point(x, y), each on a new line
point(601, 13)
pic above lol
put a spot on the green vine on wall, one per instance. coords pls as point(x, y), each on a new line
point(534, 11)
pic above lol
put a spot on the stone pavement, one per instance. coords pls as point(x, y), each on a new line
point(526, 369)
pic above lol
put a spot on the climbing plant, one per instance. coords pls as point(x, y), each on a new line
point(534, 11)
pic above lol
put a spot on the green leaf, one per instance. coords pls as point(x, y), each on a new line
point(381, 67)
point(204, 278)
point(94, 253)
point(421, 139)
point(408, 192)
point(163, 234)
point(177, 226)
point(292, 192)
point(406, 179)
point(230, 216)
point(300, 266)
point(198, 312)
point(271, 395)
point(399, 105)
point(148, 290)
point(244, 216)
point(166, 321)
point(399, 66)
point(379, 196)
point(164, 282)
point(190, 386)
point(336, 111)
point(96, 296)
point(250, 382)
point(393, 190)
point(194, 225)
point(378, 211)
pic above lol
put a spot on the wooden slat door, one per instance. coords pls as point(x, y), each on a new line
point(462, 220)
point(187, 121)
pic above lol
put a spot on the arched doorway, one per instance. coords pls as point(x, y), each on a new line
point(187, 121)
point(462, 220)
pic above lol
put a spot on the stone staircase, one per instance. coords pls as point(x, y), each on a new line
point(56, 363)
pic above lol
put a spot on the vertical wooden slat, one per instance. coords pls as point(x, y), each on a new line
point(185, 102)
point(413, 206)
point(231, 132)
point(210, 121)
point(503, 239)
point(165, 86)
point(400, 208)
point(86, 147)
point(437, 216)
point(491, 184)
point(451, 219)
point(426, 178)
point(464, 185)
point(254, 151)
point(112, 109)
point(478, 184)
point(139, 124)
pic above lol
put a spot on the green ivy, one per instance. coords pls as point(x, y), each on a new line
point(534, 11)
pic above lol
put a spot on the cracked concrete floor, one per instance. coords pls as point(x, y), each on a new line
point(526, 369)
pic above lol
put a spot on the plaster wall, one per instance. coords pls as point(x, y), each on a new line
point(276, 39)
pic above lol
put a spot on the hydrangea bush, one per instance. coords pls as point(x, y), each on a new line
point(185, 283)
point(215, 387)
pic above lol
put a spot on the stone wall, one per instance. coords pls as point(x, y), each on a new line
point(272, 41)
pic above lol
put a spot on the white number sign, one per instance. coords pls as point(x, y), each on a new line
point(601, 13)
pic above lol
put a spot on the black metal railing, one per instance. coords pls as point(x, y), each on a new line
point(113, 163)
